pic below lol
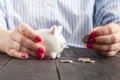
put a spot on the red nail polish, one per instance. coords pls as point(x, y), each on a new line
point(93, 34)
point(40, 55)
point(92, 40)
point(24, 56)
point(89, 45)
point(38, 38)
point(41, 50)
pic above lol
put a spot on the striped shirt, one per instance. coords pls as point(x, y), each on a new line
point(78, 17)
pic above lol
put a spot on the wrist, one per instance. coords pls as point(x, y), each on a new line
point(4, 38)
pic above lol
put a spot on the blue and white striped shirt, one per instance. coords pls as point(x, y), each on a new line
point(78, 17)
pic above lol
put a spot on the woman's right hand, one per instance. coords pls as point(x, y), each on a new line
point(24, 42)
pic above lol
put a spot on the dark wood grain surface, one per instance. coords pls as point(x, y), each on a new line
point(32, 69)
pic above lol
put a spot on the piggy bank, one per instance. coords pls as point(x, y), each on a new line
point(53, 41)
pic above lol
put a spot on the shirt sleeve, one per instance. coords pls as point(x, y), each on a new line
point(107, 11)
point(2, 15)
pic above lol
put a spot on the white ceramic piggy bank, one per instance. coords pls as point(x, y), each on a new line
point(53, 41)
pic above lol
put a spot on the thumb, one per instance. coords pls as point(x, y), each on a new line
point(93, 33)
point(14, 53)
point(105, 30)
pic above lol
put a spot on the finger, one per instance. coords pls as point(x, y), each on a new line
point(107, 53)
point(29, 32)
point(109, 47)
point(32, 45)
point(27, 42)
point(106, 39)
point(105, 30)
point(14, 53)
point(40, 55)
point(26, 50)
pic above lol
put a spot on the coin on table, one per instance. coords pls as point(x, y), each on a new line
point(86, 60)
point(86, 38)
point(83, 59)
point(66, 61)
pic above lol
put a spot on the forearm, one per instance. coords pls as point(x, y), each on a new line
point(4, 35)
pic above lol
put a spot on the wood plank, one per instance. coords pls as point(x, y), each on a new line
point(4, 59)
point(103, 69)
point(18, 69)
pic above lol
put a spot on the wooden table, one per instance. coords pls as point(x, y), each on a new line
point(32, 69)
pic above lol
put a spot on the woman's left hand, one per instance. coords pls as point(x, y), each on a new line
point(105, 39)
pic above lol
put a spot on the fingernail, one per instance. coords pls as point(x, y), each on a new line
point(92, 40)
point(24, 56)
point(38, 38)
point(89, 45)
point(41, 50)
point(93, 34)
point(40, 55)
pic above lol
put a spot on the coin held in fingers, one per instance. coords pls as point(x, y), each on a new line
point(86, 38)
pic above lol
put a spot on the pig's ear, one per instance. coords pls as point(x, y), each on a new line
point(60, 29)
point(53, 29)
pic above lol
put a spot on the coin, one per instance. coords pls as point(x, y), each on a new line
point(86, 38)
point(86, 60)
point(66, 61)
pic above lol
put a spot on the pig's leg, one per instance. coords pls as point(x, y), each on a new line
point(58, 56)
point(53, 55)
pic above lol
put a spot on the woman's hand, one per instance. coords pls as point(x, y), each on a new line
point(24, 42)
point(105, 39)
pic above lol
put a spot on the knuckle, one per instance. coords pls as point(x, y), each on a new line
point(17, 46)
point(110, 29)
point(111, 24)
point(32, 53)
point(23, 49)
point(22, 27)
point(17, 37)
point(17, 27)
point(111, 53)
point(113, 38)
point(112, 47)
point(100, 40)
point(23, 40)
point(11, 52)
point(34, 46)
point(13, 37)
point(104, 48)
